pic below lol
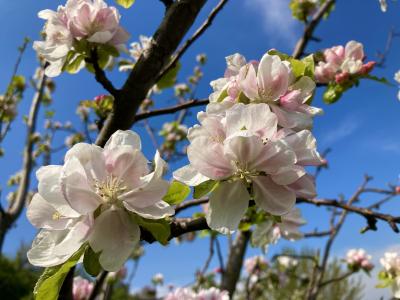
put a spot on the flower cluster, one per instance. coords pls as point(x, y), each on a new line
point(255, 264)
point(341, 64)
point(358, 259)
point(252, 142)
point(390, 275)
point(71, 26)
point(287, 261)
point(97, 197)
point(173, 133)
point(82, 288)
point(203, 294)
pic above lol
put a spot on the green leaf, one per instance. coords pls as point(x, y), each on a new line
point(204, 188)
point(51, 280)
point(160, 229)
point(106, 50)
point(169, 79)
point(281, 55)
point(177, 192)
point(91, 262)
point(74, 65)
point(310, 65)
point(298, 67)
point(377, 79)
point(125, 3)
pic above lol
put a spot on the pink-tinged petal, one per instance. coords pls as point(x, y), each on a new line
point(76, 188)
point(211, 127)
point(273, 77)
point(248, 81)
point(292, 100)
point(289, 227)
point(152, 187)
point(288, 175)
point(121, 36)
point(292, 119)
point(49, 187)
point(124, 138)
point(227, 205)
point(234, 63)
point(354, 50)
point(274, 156)
point(115, 236)
point(303, 143)
point(306, 86)
point(255, 118)
point(208, 158)
point(304, 187)
point(334, 56)
point(101, 37)
point(41, 253)
point(159, 210)
point(91, 158)
point(271, 197)
point(189, 176)
point(128, 164)
point(42, 215)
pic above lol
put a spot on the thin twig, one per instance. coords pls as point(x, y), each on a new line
point(193, 38)
point(170, 110)
point(310, 27)
point(98, 285)
point(189, 203)
point(340, 278)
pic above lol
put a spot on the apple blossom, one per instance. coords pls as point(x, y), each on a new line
point(89, 20)
point(135, 51)
point(340, 63)
point(383, 5)
point(269, 81)
point(391, 272)
point(203, 294)
point(82, 288)
point(358, 259)
point(108, 187)
point(250, 159)
point(254, 264)
point(287, 261)
point(158, 279)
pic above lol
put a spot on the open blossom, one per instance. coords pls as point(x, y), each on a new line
point(94, 197)
point(342, 62)
point(82, 288)
point(203, 294)
point(287, 261)
point(91, 20)
point(269, 81)
point(359, 259)
point(250, 159)
point(135, 51)
point(269, 232)
point(391, 269)
point(254, 264)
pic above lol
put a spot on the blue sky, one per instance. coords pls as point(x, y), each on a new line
point(362, 129)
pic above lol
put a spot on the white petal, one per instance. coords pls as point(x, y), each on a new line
point(304, 187)
point(76, 188)
point(273, 198)
point(292, 119)
point(101, 37)
point(124, 137)
point(256, 118)
point(49, 187)
point(189, 176)
point(288, 175)
point(306, 86)
point(42, 215)
point(158, 210)
point(227, 205)
point(209, 159)
point(115, 236)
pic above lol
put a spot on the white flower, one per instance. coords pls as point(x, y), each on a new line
point(212, 294)
point(91, 20)
point(383, 5)
point(391, 262)
point(106, 185)
point(254, 264)
point(287, 261)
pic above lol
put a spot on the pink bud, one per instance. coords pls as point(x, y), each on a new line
point(366, 68)
point(342, 77)
point(397, 190)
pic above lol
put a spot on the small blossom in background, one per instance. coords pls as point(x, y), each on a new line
point(82, 288)
point(358, 259)
point(383, 5)
point(94, 197)
point(91, 21)
point(397, 78)
point(173, 133)
point(287, 261)
point(158, 279)
point(255, 264)
point(390, 275)
point(135, 51)
point(203, 294)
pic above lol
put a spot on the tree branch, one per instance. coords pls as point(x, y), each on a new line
point(310, 27)
point(177, 21)
point(189, 203)
point(171, 110)
point(340, 278)
point(193, 38)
